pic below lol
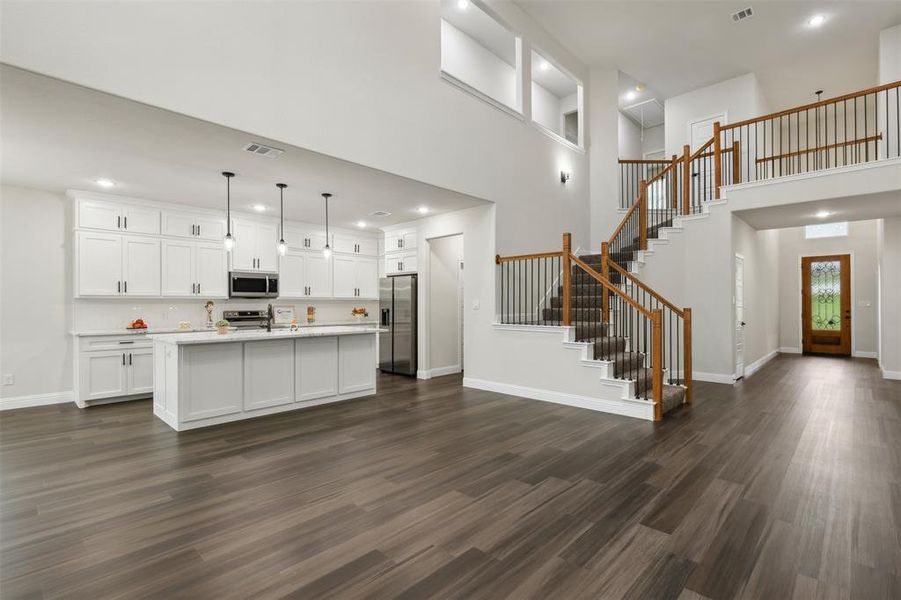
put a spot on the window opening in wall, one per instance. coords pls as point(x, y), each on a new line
point(824, 230)
point(479, 54)
point(556, 100)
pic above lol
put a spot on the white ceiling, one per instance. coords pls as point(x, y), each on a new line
point(548, 76)
point(862, 208)
point(59, 136)
point(675, 47)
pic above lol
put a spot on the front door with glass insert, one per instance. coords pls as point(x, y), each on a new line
point(826, 304)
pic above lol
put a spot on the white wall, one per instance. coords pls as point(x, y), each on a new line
point(472, 63)
point(629, 138)
point(654, 140)
point(861, 245)
point(35, 292)
point(604, 152)
point(889, 289)
point(444, 306)
point(355, 80)
point(760, 250)
point(546, 108)
point(740, 98)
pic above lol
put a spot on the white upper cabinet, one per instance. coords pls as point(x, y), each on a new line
point(305, 275)
point(355, 277)
point(203, 227)
point(255, 245)
point(401, 262)
point(399, 241)
point(318, 271)
point(291, 279)
point(194, 269)
point(304, 238)
point(115, 265)
point(365, 246)
point(178, 269)
point(112, 216)
point(211, 262)
point(367, 273)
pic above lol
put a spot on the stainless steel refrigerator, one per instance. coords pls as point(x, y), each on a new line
point(397, 317)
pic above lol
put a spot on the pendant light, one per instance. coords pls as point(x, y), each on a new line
point(282, 245)
point(229, 241)
point(327, 251)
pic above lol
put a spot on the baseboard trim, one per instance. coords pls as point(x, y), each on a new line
point(760, 362)
point(36, 400)
point(713, 377)
point(891, 374)
point(638, 409)
point(789, 350)
point(864, 354)
point(438, 372)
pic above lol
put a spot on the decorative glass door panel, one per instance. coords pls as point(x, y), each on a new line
point(826, 304)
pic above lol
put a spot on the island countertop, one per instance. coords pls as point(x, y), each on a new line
point(213, 337)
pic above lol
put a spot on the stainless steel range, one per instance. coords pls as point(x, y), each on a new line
point(245, 319)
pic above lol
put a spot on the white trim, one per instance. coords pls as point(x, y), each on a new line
point(759, 363)
point(640, 409)
point(536, 328)
point(557, 137)
point(693, 120)
point(789, 350)
point(462, 85)
point(14, 402)
point(864, 354)
point(810, 174)
point(885, 375)
point(438, 372)
point(713, 377)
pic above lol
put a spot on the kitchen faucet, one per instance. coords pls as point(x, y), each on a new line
point(269, 317)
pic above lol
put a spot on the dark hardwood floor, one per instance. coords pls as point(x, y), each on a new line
point(787, 485)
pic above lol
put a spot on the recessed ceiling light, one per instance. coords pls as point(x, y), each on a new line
point(259, 207)
point(823, 214)
point(816, 20)
point(105, 183)
point(630, 95)
point(361, 224)
point(423, 210)
point(544, 65)
point(462, 4)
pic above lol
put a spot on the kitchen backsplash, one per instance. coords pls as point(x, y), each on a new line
point(101, 315)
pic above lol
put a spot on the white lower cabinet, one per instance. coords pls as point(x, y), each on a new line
point(355, 370)
point(212, 381)
point(140, 371)
point(103, 375)
point(112, 367)
point(268, 373)
point(315, 368)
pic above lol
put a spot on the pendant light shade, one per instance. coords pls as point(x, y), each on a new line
point(229, 241)
point(327, 251)
point(282, 245)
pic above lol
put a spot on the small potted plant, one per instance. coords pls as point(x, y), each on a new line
point(222, 326)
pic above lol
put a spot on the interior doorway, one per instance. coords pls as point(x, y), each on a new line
point(445, 306)
point(826, 304)
point(739, 299)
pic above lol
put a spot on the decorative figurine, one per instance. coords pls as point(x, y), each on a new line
point(209, 313)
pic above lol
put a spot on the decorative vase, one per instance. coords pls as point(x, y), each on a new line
point(222, 329)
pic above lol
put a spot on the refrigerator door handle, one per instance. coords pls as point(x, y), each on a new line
point(386, 317)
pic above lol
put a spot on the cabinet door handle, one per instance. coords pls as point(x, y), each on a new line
point(119, 222)
point(193, 288)
point(125, 286)
point(198, 288)
point(129, 359)
point(125, 222)
point(193, 229)
point(118, 287)
point(123, 359)
point(198, 230)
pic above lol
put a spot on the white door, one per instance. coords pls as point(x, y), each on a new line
point(209, 228)
point(702, 130)
point(103, 375)
point(316, 368)
point(345, 276)
point(99, 264)
point(703, 169)
point(367, 277)
point(140, 266)
point(178, 269)
point(136, 219)
point(140, 371)
point(211, 270)
point(739, 316)
point(291, 278)
point(267, 240)
point(318, 272)
point(243, 255)
point(96, 214)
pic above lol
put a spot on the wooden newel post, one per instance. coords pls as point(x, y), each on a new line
point(567, 280)
point(686, 179)
point(686, 349)
point(643, 215)
point(657, 362)
point(717, 160)
point(736, 162)
point(674, 183)
point(605, 273)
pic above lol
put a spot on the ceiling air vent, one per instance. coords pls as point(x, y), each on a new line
point(380, 213)
point(261, 150)
point(742, 14)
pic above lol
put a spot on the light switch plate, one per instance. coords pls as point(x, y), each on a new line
point(475, 304)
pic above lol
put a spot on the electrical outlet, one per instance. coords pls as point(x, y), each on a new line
point(9, 379)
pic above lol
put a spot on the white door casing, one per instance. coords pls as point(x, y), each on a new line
point(739, 301)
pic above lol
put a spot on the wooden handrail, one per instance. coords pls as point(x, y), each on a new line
point(567, 280)
point(498, 259)
point(866, 140)
point(647, 161)
point(698, 152)
point(812, 105)
point(609, 286)
point(623, 222)
point(670, 165)
point(645, 287)
point(709, 154)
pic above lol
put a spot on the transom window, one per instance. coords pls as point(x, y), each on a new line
point(824, 230)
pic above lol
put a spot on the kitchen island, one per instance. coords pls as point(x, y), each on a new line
point(202, 379)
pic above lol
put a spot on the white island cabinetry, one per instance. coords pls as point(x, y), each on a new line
point(204, 379)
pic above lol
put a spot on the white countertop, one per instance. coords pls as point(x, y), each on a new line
point(213, 337)
point(166, 330)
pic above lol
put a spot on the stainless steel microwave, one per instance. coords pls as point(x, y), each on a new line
point(247, 284)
